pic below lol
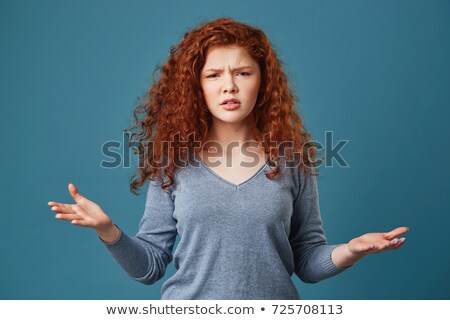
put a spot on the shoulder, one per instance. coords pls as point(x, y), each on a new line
point(301, 176)
point(185, 172)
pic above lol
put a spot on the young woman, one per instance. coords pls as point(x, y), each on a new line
point(247, 220)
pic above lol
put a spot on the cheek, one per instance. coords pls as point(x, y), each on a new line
point(209, 93)
point(205, 90)
point(253, 90)
point(208, 90)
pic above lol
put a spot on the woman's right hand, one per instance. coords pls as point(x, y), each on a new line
point(86, 213)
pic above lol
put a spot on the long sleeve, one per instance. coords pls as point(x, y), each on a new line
point(146, 256)
point(312, 253)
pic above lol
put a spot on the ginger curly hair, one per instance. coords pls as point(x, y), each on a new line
point(174, 110)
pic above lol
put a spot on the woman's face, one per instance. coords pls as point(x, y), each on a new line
point(230, 73)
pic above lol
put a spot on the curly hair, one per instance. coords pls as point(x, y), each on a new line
point(174, 110)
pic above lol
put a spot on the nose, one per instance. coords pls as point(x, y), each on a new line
point(229, 85)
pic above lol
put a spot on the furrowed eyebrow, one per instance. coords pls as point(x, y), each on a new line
point(235, 69)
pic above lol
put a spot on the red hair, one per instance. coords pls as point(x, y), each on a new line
point(174, 110)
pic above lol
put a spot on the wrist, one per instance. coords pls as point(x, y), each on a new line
point(343, 257)
point(109, 233)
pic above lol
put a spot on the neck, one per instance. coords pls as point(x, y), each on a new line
point(231, 136)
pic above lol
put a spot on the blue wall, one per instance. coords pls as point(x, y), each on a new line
point(376, 73)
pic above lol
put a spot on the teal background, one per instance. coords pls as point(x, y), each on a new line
point(375, 73)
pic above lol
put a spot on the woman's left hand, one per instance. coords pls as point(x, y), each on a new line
point(377, 242)
point(347, 254)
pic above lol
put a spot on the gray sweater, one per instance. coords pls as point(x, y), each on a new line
point(236, 241)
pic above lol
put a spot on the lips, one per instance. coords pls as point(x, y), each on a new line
point(230, 101)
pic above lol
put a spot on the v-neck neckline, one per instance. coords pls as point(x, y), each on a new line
point(236, 186)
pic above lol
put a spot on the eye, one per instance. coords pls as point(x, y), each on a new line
point(244, 73)
point(212, 75)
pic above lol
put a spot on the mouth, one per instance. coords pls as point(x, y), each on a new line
point(230, 101)
point(230, 104)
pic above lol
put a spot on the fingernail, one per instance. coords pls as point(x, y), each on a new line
point(396, 241)
point(403, 240)
point(387, 245)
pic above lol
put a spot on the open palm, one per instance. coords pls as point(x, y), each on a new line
point(377, 241)
point(85, 212)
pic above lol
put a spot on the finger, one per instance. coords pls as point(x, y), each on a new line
point(54, 204)
point(395, 233)
point(67, 217)
point(64, 208)
point(81, 223)
point(74, 193)
point(380, 246)
point(57, 209)
point(398, 244)
point(394, 242)
point(386, 245)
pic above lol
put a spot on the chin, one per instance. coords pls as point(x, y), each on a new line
point(231, 118)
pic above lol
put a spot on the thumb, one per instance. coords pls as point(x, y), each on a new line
point(395, 233)
point(74, 193)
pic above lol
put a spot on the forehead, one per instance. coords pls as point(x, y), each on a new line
point(223, 56)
